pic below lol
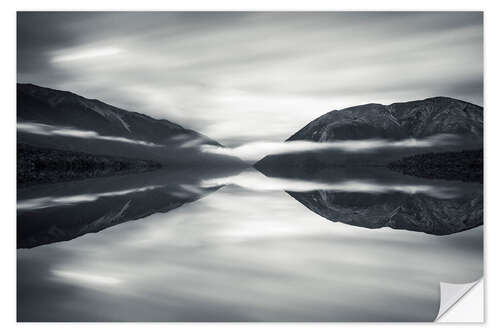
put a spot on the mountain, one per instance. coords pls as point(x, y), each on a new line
point(416, 119)
point(447, 124)
point(63, 108)
point(63, 120)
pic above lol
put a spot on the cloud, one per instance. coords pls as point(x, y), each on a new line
point(257, 150)
point(43, 129)
point(83, 54)
point(85, 278)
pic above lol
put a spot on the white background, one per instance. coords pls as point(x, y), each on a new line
point(7, 164)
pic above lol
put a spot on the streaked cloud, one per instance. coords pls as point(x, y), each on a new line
point(84, 54)
point(85, 278)
point(44, 129)
point(255, 151)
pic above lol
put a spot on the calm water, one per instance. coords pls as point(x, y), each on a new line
point(241, 246)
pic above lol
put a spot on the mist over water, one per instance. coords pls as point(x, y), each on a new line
point(256, 181)
point(254, 151)
point(44, 129)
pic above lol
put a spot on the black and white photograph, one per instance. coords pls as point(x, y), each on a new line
point(247, 166)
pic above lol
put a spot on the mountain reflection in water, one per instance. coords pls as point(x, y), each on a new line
point(64, 211)
point(236, 247)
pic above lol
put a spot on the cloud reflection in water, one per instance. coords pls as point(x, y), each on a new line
point(257, 181)
point(45, 202)
point(255, 151)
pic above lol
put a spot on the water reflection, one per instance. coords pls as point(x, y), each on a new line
point(242, 253)
point(46, 202)
point(256, 181)
point(65, 211)
point(417, 212)
point(376, 198)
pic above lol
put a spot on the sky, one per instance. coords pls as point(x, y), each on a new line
point(252, 76)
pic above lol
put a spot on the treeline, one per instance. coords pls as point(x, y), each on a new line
point(466, 165)
point(44, 165)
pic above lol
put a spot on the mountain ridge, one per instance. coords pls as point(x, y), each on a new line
point(110, 120)
point(34, 86)
point(416, 119)
point(62, 120)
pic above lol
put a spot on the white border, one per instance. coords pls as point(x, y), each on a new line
point(492, 140)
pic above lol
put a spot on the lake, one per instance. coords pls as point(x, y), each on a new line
point(200, 245)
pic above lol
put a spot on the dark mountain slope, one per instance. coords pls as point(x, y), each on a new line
point(465, 165)
point(416, 119)
point(41, 165)
point(63, 108)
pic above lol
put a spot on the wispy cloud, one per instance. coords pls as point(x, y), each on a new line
point(257, 150)
point(85, 278)
point(84, 54)
point(44, 129)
